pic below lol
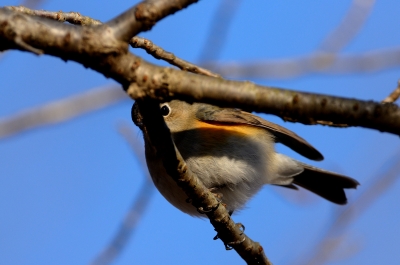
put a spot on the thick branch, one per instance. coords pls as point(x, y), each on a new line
point(136, 42)
point(144, 15)
point(96, 47)
point(291, 105)
point(228, 231)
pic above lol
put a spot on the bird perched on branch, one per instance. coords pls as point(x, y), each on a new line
point(232, 152)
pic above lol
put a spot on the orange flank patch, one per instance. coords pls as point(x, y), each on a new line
point(222, 130)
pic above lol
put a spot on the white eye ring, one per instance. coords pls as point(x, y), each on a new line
point(165, 110)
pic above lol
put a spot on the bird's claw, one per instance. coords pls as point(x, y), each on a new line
point(208, 209)
point(228, 246)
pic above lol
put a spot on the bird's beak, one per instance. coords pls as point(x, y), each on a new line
point(136, 116)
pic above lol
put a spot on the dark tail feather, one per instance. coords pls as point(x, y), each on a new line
point(326, 184)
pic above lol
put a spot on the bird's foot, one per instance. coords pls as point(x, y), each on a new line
point(229, 246)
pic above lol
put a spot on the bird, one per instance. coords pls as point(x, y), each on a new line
point(232, 152)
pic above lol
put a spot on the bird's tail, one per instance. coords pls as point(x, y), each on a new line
point(326, 184)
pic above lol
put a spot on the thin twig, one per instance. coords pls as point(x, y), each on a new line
point(394, 95)
point(60, 110)
point(138, 207)
point(71, 17)
point(158, 53)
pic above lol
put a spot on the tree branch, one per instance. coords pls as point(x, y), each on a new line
point(307, 108)
point(98, 49)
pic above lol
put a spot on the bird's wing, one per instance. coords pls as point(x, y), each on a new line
point(212, 114)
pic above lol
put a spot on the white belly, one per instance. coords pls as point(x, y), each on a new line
point(237, 168)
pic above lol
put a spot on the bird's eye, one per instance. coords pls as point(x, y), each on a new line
point(165, 110)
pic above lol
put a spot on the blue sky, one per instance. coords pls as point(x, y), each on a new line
point(65, 188)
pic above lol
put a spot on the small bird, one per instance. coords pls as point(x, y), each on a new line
point(232, 152)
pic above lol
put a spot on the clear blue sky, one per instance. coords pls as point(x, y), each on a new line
point(64, 189)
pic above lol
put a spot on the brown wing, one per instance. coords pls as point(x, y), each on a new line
point(213, 114)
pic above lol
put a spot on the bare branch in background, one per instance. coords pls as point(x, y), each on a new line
point(138, 206)
point(349, 26)
point(323, 63)
point(342, 220)
point(394, 95)
point(325, 59)
point(219, 29)
point(61, 110)
point(32, 3)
